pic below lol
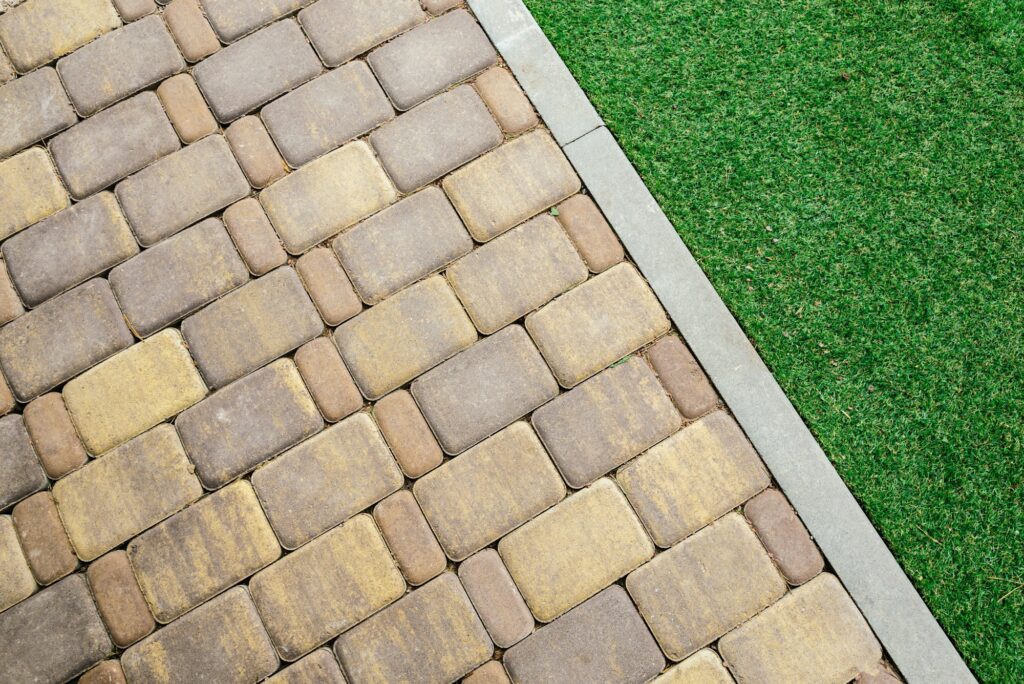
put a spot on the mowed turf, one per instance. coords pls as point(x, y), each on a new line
point(851, 177)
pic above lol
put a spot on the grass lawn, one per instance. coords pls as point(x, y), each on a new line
point(851, 177)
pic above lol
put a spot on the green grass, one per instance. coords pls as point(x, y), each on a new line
point(851, 177)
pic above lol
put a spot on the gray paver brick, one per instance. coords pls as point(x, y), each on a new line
point(232, 19)
point(10, 308)
point(497, 600)
point(20, 471)
point(32, 107)
point(40, 31)
point(29, 190)
point(342, 29)
point(319, 667)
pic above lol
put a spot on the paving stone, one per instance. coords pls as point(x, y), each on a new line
point(407, 433)
point(43, 538)
point(177, 276)
point(105, 148)
point(255, 151)
point(506, 100)
point(68, 248)
point(511, 184)
point(61, 338)
point(327, 112)
point(54, 635)
point(220, 641)
point(881, 675)
point(682, 376)
point(326, 196)
point(32, 107)
point(107, 672)
point(605, 421)
point(403, 243)
point(431, 57)
point(473, 500)
point(703, 667)
point(131, 10)
point(197, 553)
point(54, 436)
point(232, 19)
point(602, 640)
point(328, 286)
point(16, 581)
point(692, 478)
point(186, 108)
point(436, 7)
point(133, 391)
point(7, 401)
point(596, 324)
point(7, 72)
point(409, 537)
point(119, 599)
point(319, 667)
point(481, 390)
point(247, 422)
point(191, 31)
point(326, 587)
point(342, 29)
point(10, 308)
point(29, 191)
point(435, 137)
point(20, 471)
point(254, 237)
point(403, 336)
point(590, 232)
point(119, 64)
point(327, 379)
point(40, 31)
point(785, 537)
point(256, 69)
point(326, 480)
point(497, 600)
point(180, 189)
point(429, 635)
point(491, 672)
point(569, 553)
point(815, 634)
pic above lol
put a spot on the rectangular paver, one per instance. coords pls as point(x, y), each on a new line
point(506, 100)
point(342, 29)
point(232, 19)
point(54, 436)
point(407, 433)
point(16, 581)
point(29, 191)
point(119, 599)
point(190, 29)
point(32, 107)
point(682, 376)
point(40, 31)
point(497, 600)
point(186, 108)
point(327, 379)
point(20, 471)
point(590, 232)
point(780, 530)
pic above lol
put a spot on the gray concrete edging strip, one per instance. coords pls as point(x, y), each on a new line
point(909, 632)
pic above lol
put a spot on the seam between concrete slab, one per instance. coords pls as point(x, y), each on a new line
point(903, 623)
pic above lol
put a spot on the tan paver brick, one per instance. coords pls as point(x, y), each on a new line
point(16, 581)
point(319, 667)
point(133, 391)
point(191, 31)
point(507, 102)
point(407, 433)
point(430, 635)
point(569, 553)
point(326, 587)
point(326, 480)
point(785, 537)
point(491, 672)
point(880, 675)
point(682, 376)
point(327, 379)
point(32, 107)
point(107, 672)
point(40, 31)
point(29, 191)
point(497, 600)
point(695, 476)
point(232, 19)
point(6, 68)
point(186, 108)
point(255, 151)
point(409, 537)
point(481, 390)
point(328, 286)
point(436, 7)
point(119, 599)
point(20, 471)
point(131, 10)
point(7, 401)
point(342, 29)
point(254, 237)
point(703, 667)
point(590, 232)
point(10, 308)
point(54, 436)
point(816, 634)
point(43, 538)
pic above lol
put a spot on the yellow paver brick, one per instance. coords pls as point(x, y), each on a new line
point(40, 31)
point(29, 191)
point(703, 667)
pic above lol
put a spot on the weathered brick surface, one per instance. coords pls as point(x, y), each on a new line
point(10, 308)
point(319, 667)
point(40, 31)
point(569, 553)
point(507, 102)
point(107, 672)
point(703, 667)
point(186, 108)
point(191, 30)
point(255, 151)
point(682, 376)
point(7, 72)
point(497, 600)
point(43, 538)
point(32, 107)
point(486, 387)
point(326, 480)
point(119, 599)
point(328, 286)
point(785, 537)
point(590, 232)
point(20, 471)
point(232, 19)
point(7, 401)
point(131, 10)
point(327, 379)
point(880, 675)
point(436, 7)
point(16, 581)
point(326, 587)
point(407, 433)
point(254, 237)
point(54, 436)
point(409, 537)
point(29, 191)
point(342, 29)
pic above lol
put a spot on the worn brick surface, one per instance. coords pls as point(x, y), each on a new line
point(342, 29)
point(119, 599)
point(319, 667)
point(440, 6)
point(326, 587)
point(7, 401)
point(43, 538)
point(682, 376)
point(881, 675)
point(497, 600)
point(409, 537)
point(54, 436)
point(491, 672)
point(254, 237)
point(703, 667)
point(407, 433)
point(327, 379)
point(232, 19)
point(481, 390)
point(131, 10)
point(785, 537)
point(507, 102)
point(32, 107)
point(326, 480)
point(255, 151)
point(328, 286)
point(107, 672)
point(29, 191)
point(191, 30)
point(16, 581)
point(186, 108)
point(40, 31)
point(10, 308)
point(590, 232)
point(7, 72)
point(20, 471)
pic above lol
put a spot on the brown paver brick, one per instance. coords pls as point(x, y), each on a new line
point(703, 667)
point(43, 538)
point(602, 640)
point(130, 10)
point(697, 591)
point(251, 326)
point(20, 471)
point(497, 600)
point(254, 237)
point(328, 286)
point(590, 232)
point(327, 379)
point(491, 672)
point(486, 387)
point(509, 185)
point(410, 538)
point(430, 635)
point(255, 151)
point(507, 102)
point(202, 550)
point(319, 667)
point(695, 476)
point(327, 112)
point(326, 196)
point(435, 137)
point(785, 537)
point(406, 334)
point(191, 31)
point(436, 7)
point(32, 107)
point(431, 57)
point(571, 552)
point(326, 480)
point(326, 587)
point(107, 672)
point(342, 29)
point(407, 433)
point(54, 436)
point(816, 634)
point(682, 376)
point(10, 308)
point(220, 641)
point(40, 31)
point(29, 191)
point(119, 599)
point(16, 581)
point(186, 108)
point(605, 421)
point(232, 19)
point(133, 391)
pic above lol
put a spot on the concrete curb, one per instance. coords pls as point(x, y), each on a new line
point(907, 629)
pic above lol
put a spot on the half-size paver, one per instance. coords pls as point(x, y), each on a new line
point(16, 581)
point(40, 31)
point(29, 191)
point(507, 102)
point(7, 72)
point(319, 667)
point(254, 237)
point(602, 640)
point(342, 29)
point(32, 107)
point(255, 151)
point(408, 535)
point(132, 10)
point(785, 537)
point(328, 286)
point(682, 376)
point(590, 232)
point(491, 672)
point(20, 471)
point(107, 672)
point(190, 29)
point(407, 433)
point(186, 108)
point(7, 401)
point(232, 19)
point(880, 675)
point(10, 308)
point(326, 587)
point(54, 436)
point(703, 667)
point(327, 379)
point(202, 550)
point(486, 387)
point(437, 7)
point(119, 599)
point(43, 538)
point(497, 600)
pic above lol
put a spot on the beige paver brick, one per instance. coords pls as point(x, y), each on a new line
point(327, 379)
point(29, 191)
point(590, 232)
point(40, 31)
point(255, 151)
point(319, 667)
point(507, 102)
point(220, 641)
point(7, 72)
point(695, 476)
point(191, 31)
point(497, 600)
point(569, 553)
point(119, 599)
point(326, 587)
point(440, 135)
point(20, 472)
point(407, 433)
point(596, 324)
point(491, 672)
point(232, 19)
point(133, 391)
point(32, 107)
point(403, 336)
point(409, 537)
point(43, 538)
point(254, 237)
point(131, 10)
point(10, 305)
point(16, 581)
point(251, 326)
point(326, 196)
point(785, 537)
point(430, 635)
point(7, 401)
point(484, 388)
point(682, 376)
point(816, 634)
point(703, 667)
point(436, 7)
point(328, 286)
point(107, 672)
point(509, 185)
point(326, 480)
point(54, 436)
point(880, 675)
point(342, 29)
point(186, 108)
point(602, 640)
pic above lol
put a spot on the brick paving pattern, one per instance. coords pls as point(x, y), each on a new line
point(317, 363)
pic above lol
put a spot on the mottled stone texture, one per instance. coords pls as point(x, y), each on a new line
point(342, 29)
point(16, 581)
point(703, 667)
point(29, 191)
point(40, 31)
point(319, 667)
point(32, 107)
point(20, 472)
point(232, 19)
